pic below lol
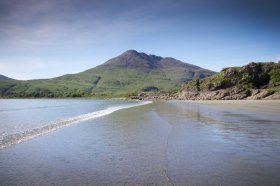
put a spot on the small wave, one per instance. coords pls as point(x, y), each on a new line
point(30, 134)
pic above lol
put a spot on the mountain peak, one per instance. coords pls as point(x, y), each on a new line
point(142, 61)
point(134, 52)
point(135, 60)
point(141, 54)
point(129, 73)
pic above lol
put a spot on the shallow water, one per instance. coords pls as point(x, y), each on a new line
point(24, 119)
point(163, 143)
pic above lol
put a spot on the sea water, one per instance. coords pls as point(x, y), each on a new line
point(23, 119)
point(163, 143)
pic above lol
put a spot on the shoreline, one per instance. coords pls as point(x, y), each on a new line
point(158, 144)
point(17, 138)
point(184, 96)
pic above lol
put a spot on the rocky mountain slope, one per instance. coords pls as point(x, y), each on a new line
point(127, 74)
point(252, 81)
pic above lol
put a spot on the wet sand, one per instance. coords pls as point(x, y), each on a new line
point(163, 143)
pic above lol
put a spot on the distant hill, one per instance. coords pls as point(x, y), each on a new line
point(127, 74)
point(5, 77)
point(252, 81)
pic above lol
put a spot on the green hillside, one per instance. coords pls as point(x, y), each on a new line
point(124, 75)
point(252, 81)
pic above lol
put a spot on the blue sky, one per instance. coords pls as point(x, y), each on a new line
point(44, 39)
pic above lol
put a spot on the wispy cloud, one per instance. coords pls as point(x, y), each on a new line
point(52, 23)
point(63, 31)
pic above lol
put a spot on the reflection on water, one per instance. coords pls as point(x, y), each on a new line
point(164, 143)
point(228, 145)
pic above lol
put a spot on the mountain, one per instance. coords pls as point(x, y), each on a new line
point(127, 74)
point(252, 81)
point(4, 78)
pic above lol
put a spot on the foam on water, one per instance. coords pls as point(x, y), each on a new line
point(13, 139)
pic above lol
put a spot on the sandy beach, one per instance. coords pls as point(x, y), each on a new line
point(163, 143)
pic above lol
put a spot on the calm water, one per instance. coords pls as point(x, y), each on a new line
point(163, 143)
point(24, 118)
